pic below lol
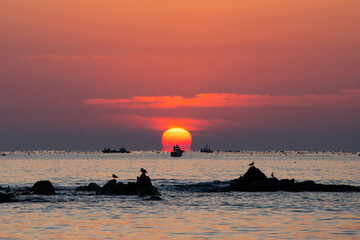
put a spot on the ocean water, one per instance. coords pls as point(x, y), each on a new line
point(186, 212)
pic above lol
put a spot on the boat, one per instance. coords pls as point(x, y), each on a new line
point(206, 149)
point(121, 150)
point(176, 152)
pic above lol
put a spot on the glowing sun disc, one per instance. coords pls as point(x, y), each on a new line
point(175, 136)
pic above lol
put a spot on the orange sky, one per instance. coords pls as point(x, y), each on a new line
point(290, 64)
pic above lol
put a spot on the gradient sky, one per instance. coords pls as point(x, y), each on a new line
point(248, 75)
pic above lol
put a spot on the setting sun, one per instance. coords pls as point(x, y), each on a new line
point(175, 136)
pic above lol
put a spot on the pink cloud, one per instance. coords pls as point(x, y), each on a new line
point(233, 111)
point(65, 57)
point(44, 56)
point(164, 123)
point(346, 98)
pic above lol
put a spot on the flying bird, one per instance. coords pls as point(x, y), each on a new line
point(114, 176)
point(143, 170)
point(251, 164)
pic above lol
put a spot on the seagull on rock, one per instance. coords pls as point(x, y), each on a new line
point(272, 175)
point(143, 170)
point(114, 176)
point(251, 164)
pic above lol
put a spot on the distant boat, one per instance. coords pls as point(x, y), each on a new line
point(206, 149)
point(176, 152)
point(121, 150)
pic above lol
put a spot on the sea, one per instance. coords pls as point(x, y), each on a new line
point(187, 210)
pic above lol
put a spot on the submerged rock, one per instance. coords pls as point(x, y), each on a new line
point(256, 181)
point(154, 198)
point(112, 187)
point(7, 189)
point(43, 188)
point(214, 186)
point(7, 197)
point(142, 187)
point(91, 187)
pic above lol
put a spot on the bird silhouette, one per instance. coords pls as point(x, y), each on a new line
point(114, 176)
point(251, 164)
point(143, 170)
point(272, 175)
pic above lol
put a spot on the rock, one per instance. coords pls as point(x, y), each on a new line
point(142, 187)
point(7, 197)
point(253, 179)
point(25, 193)
point(82, 188)
point(43, 188)
point(91, 187)
point(107, 188)
point(7, 189)
point(313, 187)
point(118, 189)
point(154, 198)
point(256, 181)
point(148, 191)
point(305, 186)
point(130, 189)
point(254, 174)
point(288, 185)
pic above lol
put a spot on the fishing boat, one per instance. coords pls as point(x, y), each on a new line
point(176, 152)
point(206, 149)
point(121, 150)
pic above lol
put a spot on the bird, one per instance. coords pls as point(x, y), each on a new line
point(114, 176)
point(251, 164)
point(143, 170)
point(272, 175)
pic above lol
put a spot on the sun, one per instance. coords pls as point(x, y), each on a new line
point(175, 136)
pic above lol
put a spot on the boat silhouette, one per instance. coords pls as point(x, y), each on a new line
point(176, 152)
point(206, 149)
point(121, 150)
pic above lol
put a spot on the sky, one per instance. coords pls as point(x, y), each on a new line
point(242, 75)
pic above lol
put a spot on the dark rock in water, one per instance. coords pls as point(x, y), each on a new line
point(82, 188)
point(287, 185)
point(7, 189)
point(94, 186)
point(313, 187)
point(305, 185)
point(154, 198)
point(91, 187)
point(214, 186)
point(141, 187)
point(25, 193)
point(253, 180)
point(256, 181)
point(254, 174)
point(147, 191)
point(43, 188)
point(7, 197)
point(112, 187)
point(107, 189)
